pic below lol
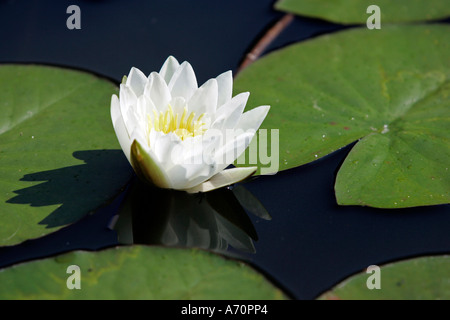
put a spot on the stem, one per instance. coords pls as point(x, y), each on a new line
point(267, 39)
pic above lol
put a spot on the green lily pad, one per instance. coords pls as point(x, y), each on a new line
point(57, 157)
point(355, 11)
point(390, 88)
point(425, 278)
point(137, 272)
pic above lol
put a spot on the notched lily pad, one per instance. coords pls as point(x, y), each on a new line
point(58, 151)
point(355, 11)
point(137, 272)
point(389, 88)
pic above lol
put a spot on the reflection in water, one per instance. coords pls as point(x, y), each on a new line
point(211, 220)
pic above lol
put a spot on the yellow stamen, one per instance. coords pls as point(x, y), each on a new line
point(161, 121)
point(173, 124)
point(183, 119)
point(168, 122)
point(156, 120)
point(190, 122)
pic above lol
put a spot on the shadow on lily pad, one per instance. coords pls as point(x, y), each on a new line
point(212, 220)
point(78, 189)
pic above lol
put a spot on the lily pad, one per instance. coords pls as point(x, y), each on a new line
point(355, 11)
point(425, 278)
point(58, 151)
point(137, 272)
point(389, 88)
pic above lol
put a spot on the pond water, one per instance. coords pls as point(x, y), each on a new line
point(309, 244)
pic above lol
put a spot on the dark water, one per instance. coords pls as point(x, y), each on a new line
point(310, 243)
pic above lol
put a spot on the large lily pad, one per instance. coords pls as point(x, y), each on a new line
point(355, 11)
point(137, 272)
point(388, 87)
point(55, 166)
point(425, 278)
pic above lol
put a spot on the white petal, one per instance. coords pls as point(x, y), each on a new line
point(199, 151)
point(147, 166)
point(168, 69)
point(115, 108)
point(183, 82)
point(148, 85)
point(158, 91)
point(133, 122)
point(145, 106)
point(225, 84)
point(198, 162)
point(204, 100)
point(178, 104)
point(136, 80)
point(182, 175)
point(224, 178)
point(252, 119)
point(119, 126)
point(138, 135)
point(194, 163)
point(127, 100)
point(228, 153)
point(229, 114)
point(166, 147)
point(123, 137)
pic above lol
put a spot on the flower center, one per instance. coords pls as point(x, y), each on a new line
point(185, 127)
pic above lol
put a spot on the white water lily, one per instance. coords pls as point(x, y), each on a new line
point(177, 135)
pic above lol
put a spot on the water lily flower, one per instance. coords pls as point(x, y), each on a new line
point(179, 136)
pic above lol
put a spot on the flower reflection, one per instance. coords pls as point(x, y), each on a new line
point(213, 220)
